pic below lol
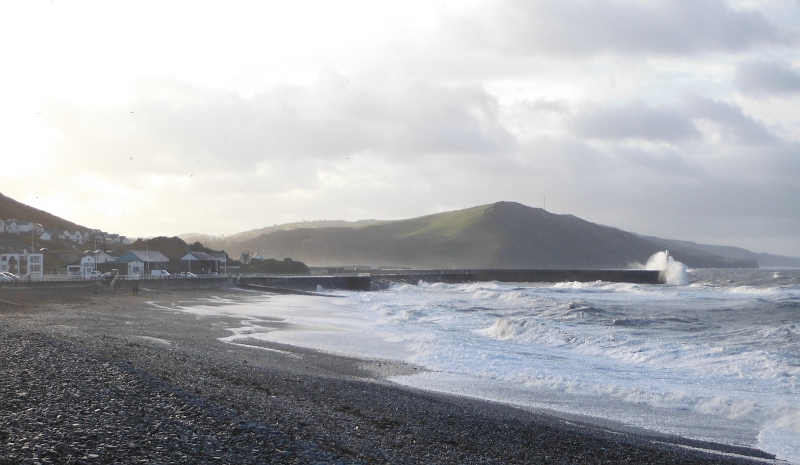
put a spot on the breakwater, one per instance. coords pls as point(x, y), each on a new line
point(376, 280)
point(519, 276)
point(310, 283)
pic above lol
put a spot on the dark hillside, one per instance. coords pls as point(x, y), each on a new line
point(172, 247)
point(501, 235)
point(449, 240)
point(712, 256)
point(10, 208)
point(535, 238)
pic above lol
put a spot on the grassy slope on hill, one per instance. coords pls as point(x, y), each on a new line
point(441, 240)
point(500, 235)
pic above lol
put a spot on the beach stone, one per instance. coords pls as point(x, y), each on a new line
point(78, 385)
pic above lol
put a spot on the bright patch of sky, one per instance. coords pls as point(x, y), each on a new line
point(669, 118)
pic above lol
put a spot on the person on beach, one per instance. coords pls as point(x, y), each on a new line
point(135, 288)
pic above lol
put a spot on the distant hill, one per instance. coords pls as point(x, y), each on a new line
point(764, 260)
point(233, 240)
point(172, 247)
point(500, 235)
point(10, 208)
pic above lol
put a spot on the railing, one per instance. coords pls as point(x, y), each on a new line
point(122, 277)
point(298, 275)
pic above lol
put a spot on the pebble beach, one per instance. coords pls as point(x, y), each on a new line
point(95, 375)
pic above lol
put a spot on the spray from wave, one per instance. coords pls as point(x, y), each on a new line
point(672, 271)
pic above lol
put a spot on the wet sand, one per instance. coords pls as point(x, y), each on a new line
point(101, 376)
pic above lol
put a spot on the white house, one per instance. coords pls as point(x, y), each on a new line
point(88, 265)
point(46, 236)
point(25, 226)
point(103, 257)
point(24, 263)
point(11, 226)
point(2, 226)
point(77, 237)
point(135, 268)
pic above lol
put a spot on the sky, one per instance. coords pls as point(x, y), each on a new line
point(674, 118)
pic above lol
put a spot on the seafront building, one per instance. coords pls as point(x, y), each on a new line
point(201, 262)
point(24, 263)
point(140, 262)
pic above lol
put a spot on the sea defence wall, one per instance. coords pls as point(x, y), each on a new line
point(300, 283)
point(520, 276)
point(378, 279)
point(557, 276)
point(311, 283)
point(29, 292)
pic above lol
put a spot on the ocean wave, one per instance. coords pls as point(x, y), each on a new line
point(787, 334)
point(631, 322)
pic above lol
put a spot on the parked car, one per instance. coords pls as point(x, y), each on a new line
point(159, 273)
point(187, 274)
point(94, 274)
point(11, 276)
point(5, 279)
point(111, 274)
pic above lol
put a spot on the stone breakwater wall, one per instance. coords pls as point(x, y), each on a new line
point(311, 283)
point(379, 279)
point(519, 276)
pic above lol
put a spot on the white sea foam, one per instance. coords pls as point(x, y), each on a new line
point(674, 272)
point(710, 360)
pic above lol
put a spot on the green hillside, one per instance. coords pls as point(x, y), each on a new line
point(500, 235)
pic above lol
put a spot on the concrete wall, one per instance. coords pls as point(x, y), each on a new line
point(177, 284)
point(521, 276)
point(310, 283)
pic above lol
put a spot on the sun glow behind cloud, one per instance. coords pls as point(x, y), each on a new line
point(265, 112)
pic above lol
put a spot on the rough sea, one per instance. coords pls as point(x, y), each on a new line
point(717, 358)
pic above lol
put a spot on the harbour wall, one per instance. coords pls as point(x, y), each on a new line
point(377, 279)
point(519, 276)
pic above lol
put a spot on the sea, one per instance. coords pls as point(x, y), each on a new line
point(713, 356)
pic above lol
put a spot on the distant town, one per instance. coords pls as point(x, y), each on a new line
point(28, 250)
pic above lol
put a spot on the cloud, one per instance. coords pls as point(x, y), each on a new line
point(176, 129)
point(582, 27)
point(767, 78)
point(730, 121)
point(634, 120)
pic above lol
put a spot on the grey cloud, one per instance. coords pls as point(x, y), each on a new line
point(634, 120)
point(172, 128)
point(335, 117)
point(575, 27)
point(734, 125)
point(660, 162)
point(767, 78)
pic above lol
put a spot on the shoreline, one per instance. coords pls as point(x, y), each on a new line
point(275, 403)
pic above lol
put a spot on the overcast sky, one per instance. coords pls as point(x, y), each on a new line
point(673, 118)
